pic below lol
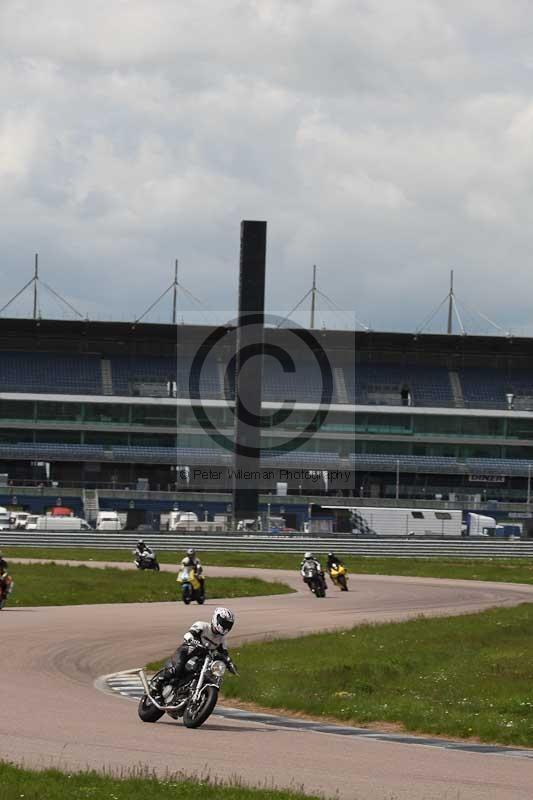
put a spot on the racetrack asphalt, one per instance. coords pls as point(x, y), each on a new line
point(52, 714)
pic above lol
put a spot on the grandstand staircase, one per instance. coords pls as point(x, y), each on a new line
point(107, 376)
point(225, 387)
point(91, 504)
point(339, 385)
point(457, 389)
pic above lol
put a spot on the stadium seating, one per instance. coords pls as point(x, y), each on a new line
point(50, 373)
point(151, 377)
point(382, 384)
point(439, 464)
point(488, 388)
point(349, 380)
point(364, 384)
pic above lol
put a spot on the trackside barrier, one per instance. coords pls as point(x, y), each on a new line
point(177, 542)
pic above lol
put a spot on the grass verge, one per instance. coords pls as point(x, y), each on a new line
point(55, 785)
point(497, 569)
point(468, 676)
point(54, 585)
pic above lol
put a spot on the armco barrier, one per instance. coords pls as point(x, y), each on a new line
point(345, 545)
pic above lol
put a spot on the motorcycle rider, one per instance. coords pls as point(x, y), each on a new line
point(201, 635)
point(3, 563)
point(310, 563)
point(333, 561)
point(191, 562)
point(142, 551)
point(6, 585)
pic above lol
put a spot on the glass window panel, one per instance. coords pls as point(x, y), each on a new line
point(156, 416)
point(113, 413)
point(59, 412)
point(16, 409)
point(58, 437)
point(13, 436)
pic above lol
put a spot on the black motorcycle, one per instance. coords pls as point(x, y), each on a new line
point(314, 578)
point(194, 696)
point(146, 561)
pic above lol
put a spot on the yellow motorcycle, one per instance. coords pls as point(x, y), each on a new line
point(337, 573)
point(191, 588)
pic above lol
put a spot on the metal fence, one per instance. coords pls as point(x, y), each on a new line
point(177, 542)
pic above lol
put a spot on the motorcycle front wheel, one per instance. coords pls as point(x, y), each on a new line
point(147, 711)
point(199, 710)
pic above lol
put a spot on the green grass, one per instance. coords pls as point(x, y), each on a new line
point(54, 585)
point(468, 676)
point(18, 783)
point(497, 569)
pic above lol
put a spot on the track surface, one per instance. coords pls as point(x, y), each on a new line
point(53, 715)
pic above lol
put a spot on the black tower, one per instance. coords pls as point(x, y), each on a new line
point(248, 388)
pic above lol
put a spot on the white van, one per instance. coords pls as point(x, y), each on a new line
point(19, 520)
point(5, 519)
point(49, 523)
point(108, 521)
point(181, 520)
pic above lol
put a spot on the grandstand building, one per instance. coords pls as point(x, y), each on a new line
point(148, 408)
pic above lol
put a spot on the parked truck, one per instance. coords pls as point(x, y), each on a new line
point(480, 525)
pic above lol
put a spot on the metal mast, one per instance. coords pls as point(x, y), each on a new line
point(174, 303)
point(313, 298)
point(174, 287)
point(35, 282)
point(450, 304)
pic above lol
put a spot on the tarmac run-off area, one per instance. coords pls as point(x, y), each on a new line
point(52, 660)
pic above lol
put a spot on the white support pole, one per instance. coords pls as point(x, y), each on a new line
point(397, 479)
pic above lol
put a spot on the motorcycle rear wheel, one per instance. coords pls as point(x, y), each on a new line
point(147, 711)
point(196, 715)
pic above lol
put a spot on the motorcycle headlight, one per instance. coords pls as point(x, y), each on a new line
point(218, 668)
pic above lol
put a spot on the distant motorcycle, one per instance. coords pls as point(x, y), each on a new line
point(337, 573)
point(146, 561)
point(191, 588)
point(195, 695)
point(315, 580)
point(6, 587)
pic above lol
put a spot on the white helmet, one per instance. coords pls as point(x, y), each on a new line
point(222, 621)
point(308, 554)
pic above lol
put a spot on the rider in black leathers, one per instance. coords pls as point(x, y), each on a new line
point(200, 636)
point(333, 561)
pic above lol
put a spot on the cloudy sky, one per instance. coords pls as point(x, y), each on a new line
point(387, 141)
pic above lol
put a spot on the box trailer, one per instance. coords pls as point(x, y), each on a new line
point(392, 521)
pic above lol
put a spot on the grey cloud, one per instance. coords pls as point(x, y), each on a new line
point(387, 143)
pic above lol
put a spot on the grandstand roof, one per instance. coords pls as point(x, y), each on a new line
point(126, 338)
